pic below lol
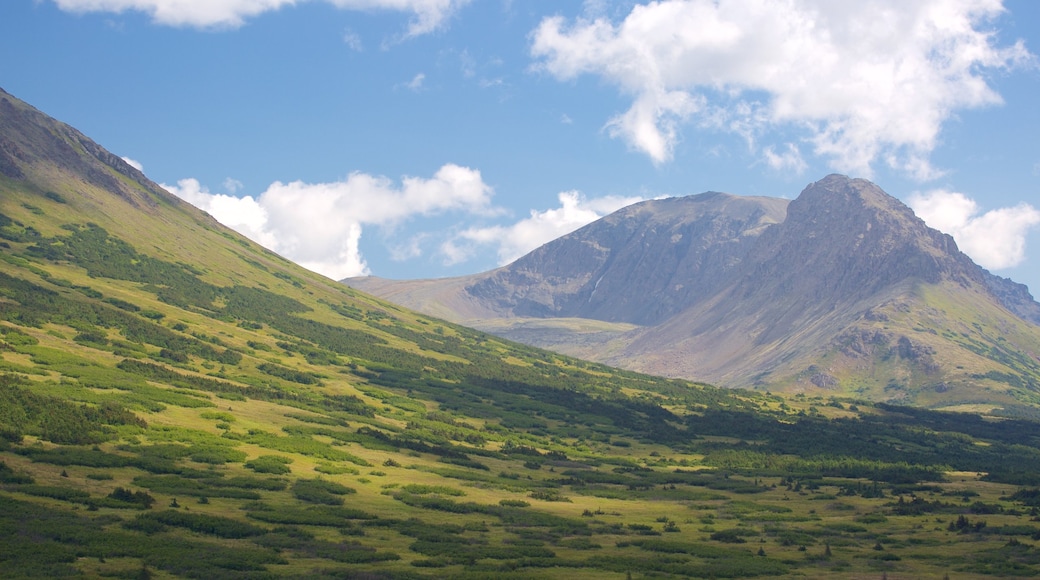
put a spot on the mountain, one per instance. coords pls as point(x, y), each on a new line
point(178, 402)
point(842, 290)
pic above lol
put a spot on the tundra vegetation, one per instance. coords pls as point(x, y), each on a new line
point(236, 417)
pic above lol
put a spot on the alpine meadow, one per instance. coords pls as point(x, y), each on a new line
point(178, 402)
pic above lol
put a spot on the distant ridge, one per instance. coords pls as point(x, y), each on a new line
point(765, 293)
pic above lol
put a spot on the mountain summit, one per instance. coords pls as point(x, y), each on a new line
point(842, 289)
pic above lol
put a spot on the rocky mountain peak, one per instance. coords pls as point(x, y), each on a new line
point(846, 238)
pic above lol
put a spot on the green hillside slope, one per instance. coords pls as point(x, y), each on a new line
point(176, 401)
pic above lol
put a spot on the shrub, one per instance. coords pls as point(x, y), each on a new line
point(731, 536)
point(548, 495)
point(200, 523)
point(275, 464)
point(138, 498)
point(320, 491)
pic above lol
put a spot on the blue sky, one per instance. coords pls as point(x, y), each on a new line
point(428, 138)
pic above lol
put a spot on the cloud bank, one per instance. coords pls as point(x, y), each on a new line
point(857, 82)
point(995, 239)
point(428, 15)
point(319, 225)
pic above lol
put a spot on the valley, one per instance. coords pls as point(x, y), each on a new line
point(178, 402)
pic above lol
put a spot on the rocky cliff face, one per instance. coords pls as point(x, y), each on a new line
point(843, 288)
point(846, 239)
point(1014, 296)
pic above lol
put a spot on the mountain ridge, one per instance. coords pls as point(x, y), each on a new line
point(26, 143)
point(754, 292)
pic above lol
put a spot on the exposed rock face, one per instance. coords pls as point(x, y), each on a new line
point(1014, 296)
point(846, 239)
point(844, 287)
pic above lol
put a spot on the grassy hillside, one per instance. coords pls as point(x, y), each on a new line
point(179, 402)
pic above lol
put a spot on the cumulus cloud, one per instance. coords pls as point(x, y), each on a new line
point(428, 15)
point(513, 241)
point(860, 81)
point(319, 225)
point(995, 239)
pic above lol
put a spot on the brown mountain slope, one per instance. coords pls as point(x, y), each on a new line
point(843, 289)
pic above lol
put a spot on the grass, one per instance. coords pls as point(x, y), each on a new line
point(617, 525)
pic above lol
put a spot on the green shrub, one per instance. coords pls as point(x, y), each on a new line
point(201, 523)
point(731, 536)
point(122, 497)
point(275, 464)
point(55, 492)
point(320, 491)
point(8, 475)
point(421, 489)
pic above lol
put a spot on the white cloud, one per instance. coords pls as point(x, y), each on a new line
point(232, 185)
point(515, 240)
point(468, 64)
point(197, 13)
point(861, 81)
point(995, 239)
point(244, 215)
point(133, 163)
point(353, 40)
point(651, 124)
point(416, 83)
point(429, 15)
point(789, 159)
point(319, 225)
